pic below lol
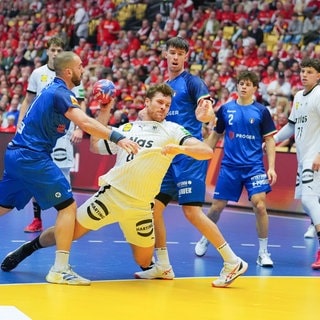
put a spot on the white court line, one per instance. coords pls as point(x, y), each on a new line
point(12, 313)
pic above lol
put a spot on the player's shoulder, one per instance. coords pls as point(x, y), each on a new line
point(41, 70)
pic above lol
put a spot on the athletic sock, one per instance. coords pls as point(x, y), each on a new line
point(31, 247)
point(162, 257)
point(36, 210)
point(227, 253)
point(263, 245)
point(62, 260)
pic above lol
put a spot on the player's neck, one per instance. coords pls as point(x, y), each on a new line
point(307, 90)
point(172, 75)
point(245, 101)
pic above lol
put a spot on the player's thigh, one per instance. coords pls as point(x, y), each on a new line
point(99, 210)
point(229, 184)
point(137, 225)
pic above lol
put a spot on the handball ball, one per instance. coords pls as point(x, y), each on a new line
point(103, 91)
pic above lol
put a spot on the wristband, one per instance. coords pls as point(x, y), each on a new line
point(115, 136)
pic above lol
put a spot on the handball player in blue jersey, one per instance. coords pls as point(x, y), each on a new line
point(185, 180)
point(29, 168)
point(245, 125)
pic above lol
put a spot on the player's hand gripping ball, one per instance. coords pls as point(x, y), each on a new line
point(103, 91)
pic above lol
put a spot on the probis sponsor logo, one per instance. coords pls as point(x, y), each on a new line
point(144, 228)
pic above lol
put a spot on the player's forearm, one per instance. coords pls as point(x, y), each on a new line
point(271, 153)
point(199, 152)
point(213, 139)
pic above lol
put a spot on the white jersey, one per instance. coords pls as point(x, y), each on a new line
point(305, 114)
point(63, 151)
point(140, 176)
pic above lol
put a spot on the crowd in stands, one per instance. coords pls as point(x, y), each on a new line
point(268, 37)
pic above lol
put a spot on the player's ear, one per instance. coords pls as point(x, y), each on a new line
point(147, 102)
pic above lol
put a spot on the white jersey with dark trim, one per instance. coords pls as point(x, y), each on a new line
point(305, 114)
point(149, 165)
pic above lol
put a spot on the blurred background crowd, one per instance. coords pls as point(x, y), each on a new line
point(124, 41)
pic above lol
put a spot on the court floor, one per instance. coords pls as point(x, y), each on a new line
point(287, 291)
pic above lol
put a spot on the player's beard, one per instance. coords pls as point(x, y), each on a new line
point(76, 80)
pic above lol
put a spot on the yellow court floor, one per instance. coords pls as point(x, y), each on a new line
point(248, 298)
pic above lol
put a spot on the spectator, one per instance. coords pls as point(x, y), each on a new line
point(280, 87)
point(81, 20)
point(256, 32)
point(10, 126)
point(211, 24)
point(108, 29)
point(310, 29)
point(294, 32)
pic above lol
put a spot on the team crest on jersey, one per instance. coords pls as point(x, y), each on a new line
point(74, 101)
point(44, 78)
point(127, 127)
point(231, 135)
point(296, 105)
point(251, 120)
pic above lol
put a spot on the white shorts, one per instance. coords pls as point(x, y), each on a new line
point(307, 181)
point(109, 205)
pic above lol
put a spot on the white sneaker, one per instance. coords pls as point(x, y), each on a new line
point(311, 232)
point(156, 272)
point(264, 260)
point(229, 273)
point(201, 247)
point(67, 276)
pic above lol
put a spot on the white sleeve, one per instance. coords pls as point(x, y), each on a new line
point(285, 133)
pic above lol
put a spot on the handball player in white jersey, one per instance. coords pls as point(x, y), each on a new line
point(127, 191)
point(304, 122)
point(62, 154)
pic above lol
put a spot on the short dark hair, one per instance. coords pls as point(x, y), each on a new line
point(248, 75)
point(312, 63)
point(56, 41)
point(164, 88)
point(179, 43)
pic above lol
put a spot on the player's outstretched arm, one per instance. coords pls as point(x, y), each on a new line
point(192, 147)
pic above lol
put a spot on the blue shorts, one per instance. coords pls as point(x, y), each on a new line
point(185, 180)
point(231, 181)
point(30, 174)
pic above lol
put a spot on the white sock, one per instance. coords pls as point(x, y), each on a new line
point(227, 254)
point(62, 260)
point(162, 256)
point(263, 245)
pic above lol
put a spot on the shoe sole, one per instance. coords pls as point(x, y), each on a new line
point(315, 267)
point(264, 265)
point(68, 283)
point(32, 231)
point(137, 277)
point(199, 255)
point(245, 268)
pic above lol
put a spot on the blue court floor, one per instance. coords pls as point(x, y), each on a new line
point(104, 255)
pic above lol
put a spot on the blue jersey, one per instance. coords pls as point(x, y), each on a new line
point(245, 128)
point(185, 179)
point(45, 122)
point(189, 89)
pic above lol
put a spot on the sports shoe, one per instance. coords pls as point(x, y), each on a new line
point(264, 260)
point(156, 272)
point(34, 226)
point(67, 276)
point(13, 258)
point(316, 264)
point(311, 232)
point(201, 247)
point(229, 273)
